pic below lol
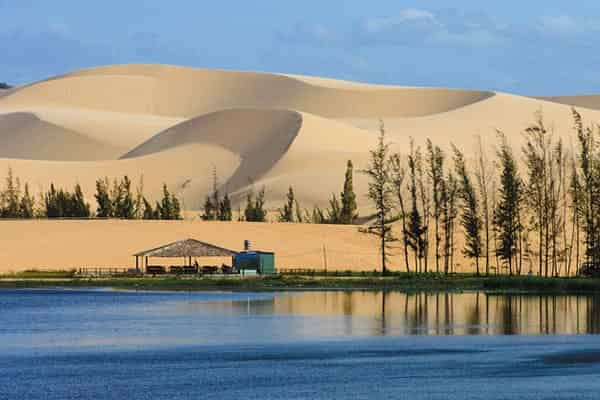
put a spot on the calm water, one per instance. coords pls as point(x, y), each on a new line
point(67, 344)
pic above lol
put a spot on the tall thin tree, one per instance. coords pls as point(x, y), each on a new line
point(380, 192)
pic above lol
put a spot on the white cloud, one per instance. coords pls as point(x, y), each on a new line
point(409, 26)
point(410, 15)
point(567, 25)
point(415, 26)
point(310, 32)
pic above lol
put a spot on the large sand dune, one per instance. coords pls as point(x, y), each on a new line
point(176, 125)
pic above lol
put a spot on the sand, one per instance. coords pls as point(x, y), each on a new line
point(591, 101)
point(56, 245)
point(175, 125)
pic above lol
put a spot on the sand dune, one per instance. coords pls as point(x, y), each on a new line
point(508, 113)
point(174, 125)
point(24, 135)
point(187, 92)
point(591, 101)
point(259, 137)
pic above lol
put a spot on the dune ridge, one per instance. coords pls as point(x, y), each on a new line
point(265, 137)
point(188, 92)
point(591, 101)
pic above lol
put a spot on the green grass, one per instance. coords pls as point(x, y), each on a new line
point(370, 281)
point(37, 274)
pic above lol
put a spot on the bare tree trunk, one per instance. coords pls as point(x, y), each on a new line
point(437, 244)
point(404, 232)
point(482, 178)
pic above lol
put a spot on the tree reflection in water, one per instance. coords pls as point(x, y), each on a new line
point(393, 313)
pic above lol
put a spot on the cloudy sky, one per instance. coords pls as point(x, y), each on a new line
point(531, 47)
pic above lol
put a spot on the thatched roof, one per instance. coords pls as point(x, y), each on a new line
point(187, 248)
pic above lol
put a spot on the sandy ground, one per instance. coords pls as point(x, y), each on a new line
point(75, 244)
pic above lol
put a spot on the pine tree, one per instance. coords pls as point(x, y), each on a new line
point(416, 229)
point(348, 211)
point(249, 211)
point(11, 196)
point(210, 213)
point(64, 200)
point(449, 194)
point(105, 206)
point(79, 208)
point(334, 212)
point(483, 182)
point(286, 214)
point(317, 216)
point(157, 213)
point(175, 212)
point(148, 211)
point(576, 195)
point(380, 192)
point(470, 218)
point(165, 208)
point(436, 176)
point(26, 207)
point(589, 197)
point(116, 198)
point(123, 201)
point(506, 214)
point(52, 207)
point(255, 211)
point(299, 217)
point(139, 199)
point(260, 212)
point(398, 175)
point(425, 207)
point(225, 213)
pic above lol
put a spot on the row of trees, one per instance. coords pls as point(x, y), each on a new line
point(119, 201)
point(342, 210)
point(526, 223)
point(115, 200)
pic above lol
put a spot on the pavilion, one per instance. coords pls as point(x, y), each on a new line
point(186, 249)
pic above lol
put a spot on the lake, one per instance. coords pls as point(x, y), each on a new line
point(104, 344)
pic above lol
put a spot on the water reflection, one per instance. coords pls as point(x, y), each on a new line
point(392, 313)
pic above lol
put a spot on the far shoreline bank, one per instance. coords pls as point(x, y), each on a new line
point(399, 282)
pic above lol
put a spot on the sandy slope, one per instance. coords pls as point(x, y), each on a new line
point(25, 135)
point(591, 101)
point(508, 113)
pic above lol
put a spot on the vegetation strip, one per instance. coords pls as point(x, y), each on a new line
point(368, 281)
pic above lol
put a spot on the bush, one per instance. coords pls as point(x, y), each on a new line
point(590, 270)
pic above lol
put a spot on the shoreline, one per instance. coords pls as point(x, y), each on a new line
point(402, 282)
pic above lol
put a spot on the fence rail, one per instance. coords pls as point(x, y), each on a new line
point(106, 271)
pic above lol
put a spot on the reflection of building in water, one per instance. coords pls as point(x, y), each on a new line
point(393, 313)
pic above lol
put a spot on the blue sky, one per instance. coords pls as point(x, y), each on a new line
point(528, 47)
